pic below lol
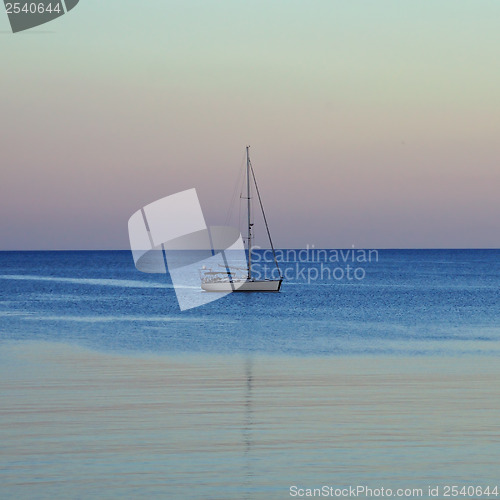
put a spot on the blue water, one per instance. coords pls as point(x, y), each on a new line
point(109, 391)
point(408, 302)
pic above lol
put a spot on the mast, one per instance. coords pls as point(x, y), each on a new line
point(265, 220)
point(249, 239)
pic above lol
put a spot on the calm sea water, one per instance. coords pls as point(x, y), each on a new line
point(109, 391)
point(410, 302)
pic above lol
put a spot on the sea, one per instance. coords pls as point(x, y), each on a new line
point(371, 372)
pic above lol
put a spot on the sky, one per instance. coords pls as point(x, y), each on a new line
point(371, 123)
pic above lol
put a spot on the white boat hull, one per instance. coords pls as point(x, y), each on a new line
point(246, 286)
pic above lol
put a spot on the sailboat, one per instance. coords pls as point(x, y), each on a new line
point(232, 279)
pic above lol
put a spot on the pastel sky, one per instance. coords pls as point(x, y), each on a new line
point(372, 123)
